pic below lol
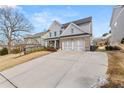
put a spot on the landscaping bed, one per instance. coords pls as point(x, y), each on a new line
point(115, 70)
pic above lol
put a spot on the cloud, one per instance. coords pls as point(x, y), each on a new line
point(12, 6)
point(42, 19)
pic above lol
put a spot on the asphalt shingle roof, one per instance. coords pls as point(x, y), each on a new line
point(78, 22)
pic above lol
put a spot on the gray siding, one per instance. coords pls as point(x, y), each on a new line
point(86, 27)
point(54, 28)
point(117, 28)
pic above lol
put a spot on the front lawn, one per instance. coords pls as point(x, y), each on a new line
point(12, 60)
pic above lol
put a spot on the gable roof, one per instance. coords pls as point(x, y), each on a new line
point(38, 34)
point(78, 22)
point(53, 23)
point(35, 35)
point(80, 31)
point(57, 22)
point(77, 27)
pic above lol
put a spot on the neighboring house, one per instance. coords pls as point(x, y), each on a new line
point(34, 40)
point(1, 47)
point(44, 37)
point(102, 41)
point(117, 25)
point(75, 35)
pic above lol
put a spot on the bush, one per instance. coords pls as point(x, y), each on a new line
point(122, 41)
point(116, 48)
point(4, 51)
point(31, 50)
point(93, 47)
point(15, 51)
point(110, 48)
point(51, 49)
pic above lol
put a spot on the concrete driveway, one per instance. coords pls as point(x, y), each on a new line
point(60, 69)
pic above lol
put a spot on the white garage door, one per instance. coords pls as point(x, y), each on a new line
point(73, 44)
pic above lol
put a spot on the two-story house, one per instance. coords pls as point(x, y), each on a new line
point(2, 45)
point(35, 40)
point(117, 25)
point(75, 35)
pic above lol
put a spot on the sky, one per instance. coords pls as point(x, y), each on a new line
point(42, 16)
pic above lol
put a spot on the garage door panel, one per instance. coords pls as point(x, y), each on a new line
point(80, 45)
point(69, 45)
point(73, 45)
point(66, 45)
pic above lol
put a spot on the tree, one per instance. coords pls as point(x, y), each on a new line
point(12, 25)
point(105, 34)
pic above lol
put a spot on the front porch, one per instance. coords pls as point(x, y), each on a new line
point(53, 43)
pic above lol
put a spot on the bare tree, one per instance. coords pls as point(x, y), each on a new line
point(12, 25)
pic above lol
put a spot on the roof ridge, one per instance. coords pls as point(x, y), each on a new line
point(79, 21)
point(90, 17)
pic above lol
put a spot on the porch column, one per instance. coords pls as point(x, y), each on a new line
point(46, 43)
point(60, 44)
point(55, 44)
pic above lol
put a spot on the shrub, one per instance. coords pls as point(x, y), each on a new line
point(122, 41)
point(15, 51)
point(116, 48)
point(31, 50)
point(110, 48)
point(3, 51)
point(105, 34)
point(93, 47)
point(51, 49)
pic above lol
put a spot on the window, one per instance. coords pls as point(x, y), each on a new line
point(115, 24)
point(72, 30)
point(50, 34)
point(54, 33)
point(60, 32)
